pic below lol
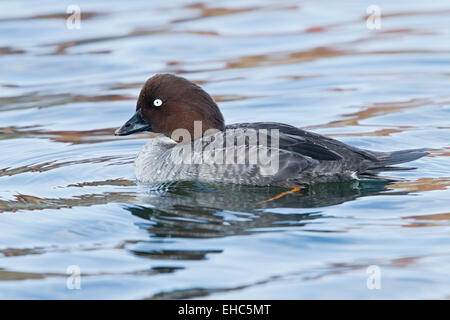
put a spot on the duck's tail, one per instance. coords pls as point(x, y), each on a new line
point(386, 159)
point(396, 157)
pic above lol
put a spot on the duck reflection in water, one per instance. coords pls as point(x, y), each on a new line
point(189, 209)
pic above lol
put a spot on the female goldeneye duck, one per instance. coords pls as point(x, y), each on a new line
point(196, 145)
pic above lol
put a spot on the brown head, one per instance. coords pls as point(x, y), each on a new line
point(167, 103)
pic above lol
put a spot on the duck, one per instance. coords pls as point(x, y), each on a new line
point(195, 144)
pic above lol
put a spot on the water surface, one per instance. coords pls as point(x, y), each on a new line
point(68, 196)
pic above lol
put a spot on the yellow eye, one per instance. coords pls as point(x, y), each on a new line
point(157, 102)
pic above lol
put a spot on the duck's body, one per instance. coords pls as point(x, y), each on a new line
point(304, 158)
point(283, 156)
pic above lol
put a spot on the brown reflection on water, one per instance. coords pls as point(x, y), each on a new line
point(430, 220)
point(49, 165)
point(443, 152)
point(6, 275)
point(130, 85)
point(284, 57)
point(437, 216)
point(206, 11)
point(109, 182)
point(14, 275)
point(410, 13)
point(9, 50)
point(423, 184)
point(84, 15)
point(61, 47)
point(375, 110)
point(28, 202)
point(381, 132)
point(70, 136)
point(35, 100)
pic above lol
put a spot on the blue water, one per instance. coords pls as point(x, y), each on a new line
point(68, 195)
